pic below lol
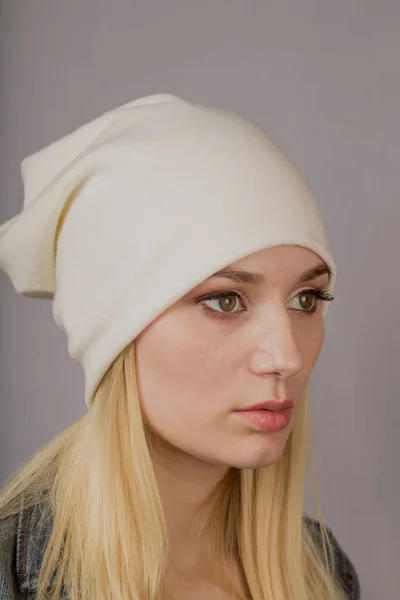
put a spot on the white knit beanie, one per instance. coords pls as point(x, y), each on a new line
point(172, 192)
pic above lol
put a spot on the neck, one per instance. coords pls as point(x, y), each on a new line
point(189, 492)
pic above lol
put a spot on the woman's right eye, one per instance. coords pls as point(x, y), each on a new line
point(226, 301)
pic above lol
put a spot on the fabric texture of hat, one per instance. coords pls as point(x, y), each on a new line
point(164, 193)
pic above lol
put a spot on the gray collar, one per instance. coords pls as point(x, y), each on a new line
point(33, 532)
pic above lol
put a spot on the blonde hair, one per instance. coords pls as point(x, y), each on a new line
point(109, 536)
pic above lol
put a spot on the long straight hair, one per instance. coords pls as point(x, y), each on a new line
point(109, 536)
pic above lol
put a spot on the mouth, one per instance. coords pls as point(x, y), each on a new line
point(266, 420)
point(269, 405)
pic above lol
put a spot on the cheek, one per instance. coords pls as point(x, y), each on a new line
point(179, 376)
point(311, 345)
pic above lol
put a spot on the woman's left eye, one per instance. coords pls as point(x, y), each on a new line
point(227, 301)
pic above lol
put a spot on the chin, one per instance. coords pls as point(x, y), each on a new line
point(252, 463)
point(255, 458)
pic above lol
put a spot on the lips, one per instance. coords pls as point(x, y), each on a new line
point(268, 421)
point(269, 405)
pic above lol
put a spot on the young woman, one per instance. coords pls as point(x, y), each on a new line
point(189, 267)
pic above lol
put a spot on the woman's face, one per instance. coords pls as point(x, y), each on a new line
point(203, 359)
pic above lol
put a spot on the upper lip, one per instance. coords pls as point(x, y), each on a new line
point(270, 405)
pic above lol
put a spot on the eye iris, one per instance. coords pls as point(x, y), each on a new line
point(225, 303)
point(304, 295)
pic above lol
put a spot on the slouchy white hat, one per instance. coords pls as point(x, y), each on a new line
point(171, 192)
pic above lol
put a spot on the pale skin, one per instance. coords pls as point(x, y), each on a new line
point(195, 368)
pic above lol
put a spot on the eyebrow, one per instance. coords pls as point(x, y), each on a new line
point(240, 276)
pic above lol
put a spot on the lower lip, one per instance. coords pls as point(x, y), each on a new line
point(267, 420)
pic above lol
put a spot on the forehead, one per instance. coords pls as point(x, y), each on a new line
point(295, 263)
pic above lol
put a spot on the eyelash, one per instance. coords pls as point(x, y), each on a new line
point(322, 295)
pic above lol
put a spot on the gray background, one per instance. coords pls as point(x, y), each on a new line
point(323, 78)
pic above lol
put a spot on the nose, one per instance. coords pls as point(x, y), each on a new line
point(277, 351)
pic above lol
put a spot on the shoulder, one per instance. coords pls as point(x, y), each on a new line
point(346, 574)
point(9, 589)
point(23, 540)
